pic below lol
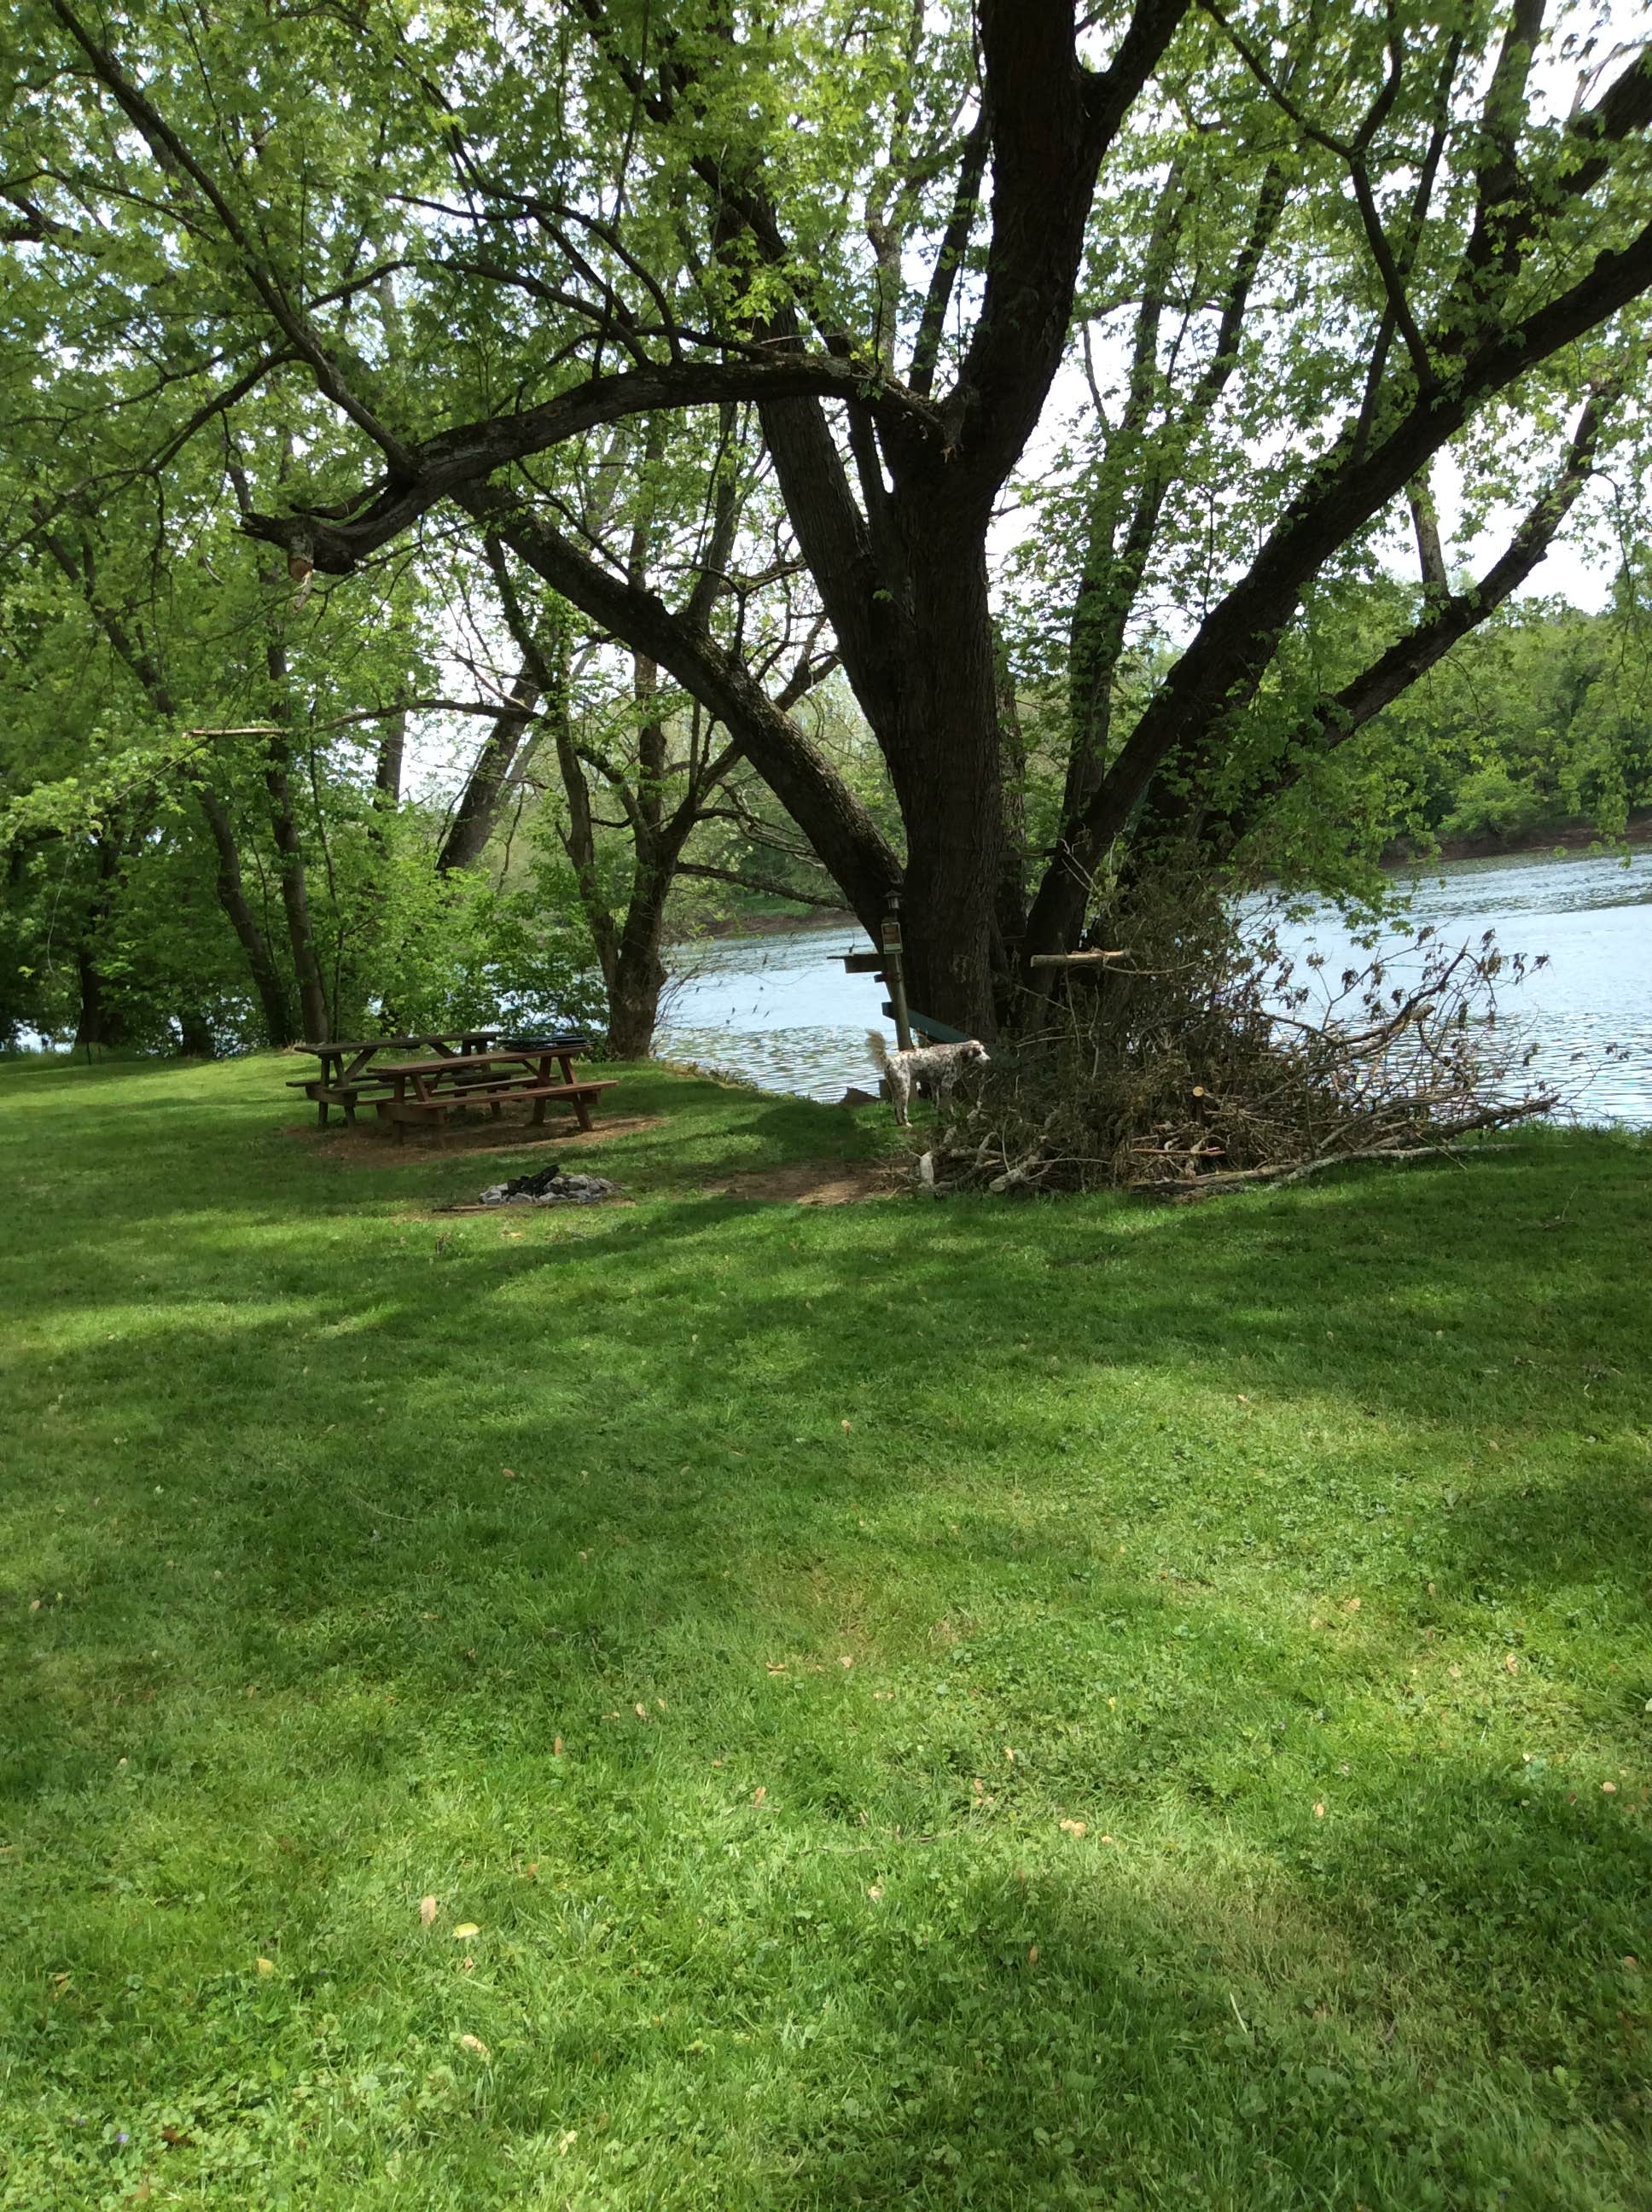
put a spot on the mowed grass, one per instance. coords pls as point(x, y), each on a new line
point(957, 1704)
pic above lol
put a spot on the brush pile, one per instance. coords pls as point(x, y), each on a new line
point(1203, 1061)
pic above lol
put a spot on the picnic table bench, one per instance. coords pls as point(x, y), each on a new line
point(428, 1090)
point(348, 1073)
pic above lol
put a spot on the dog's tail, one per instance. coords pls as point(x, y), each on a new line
point(878, 1051)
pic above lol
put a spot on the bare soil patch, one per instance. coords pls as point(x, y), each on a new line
point(812, 1182)
point(373, 1146)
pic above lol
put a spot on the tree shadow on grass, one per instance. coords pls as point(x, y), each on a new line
point(1140, 2026)
point(1417, 1999)
point(336, 1641)
point(1023, 1338)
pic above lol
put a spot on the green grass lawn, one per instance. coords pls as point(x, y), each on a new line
point(914, 1705)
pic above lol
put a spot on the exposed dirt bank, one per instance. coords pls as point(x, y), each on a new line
point(1575, 836)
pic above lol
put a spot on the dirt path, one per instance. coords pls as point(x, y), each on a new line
point(372, 1147)
point(811, 1182)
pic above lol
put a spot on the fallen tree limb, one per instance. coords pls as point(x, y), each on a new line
point(1211, 1186)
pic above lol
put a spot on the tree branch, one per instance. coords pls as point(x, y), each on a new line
point(1217, 674)
point(1351, 155)
point(840, 828)
point(1052, 121)
point(1432, 638)
point(445, 466)
point(749, 883)
point(171, 152)
point(955, 242)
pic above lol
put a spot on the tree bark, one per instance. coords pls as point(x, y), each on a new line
point(387, 764)
point(639, 971)
point(232, 897)
point(99, 1022)
point(638, 974)
point(294, 894)
point(945, 761)
point(283, 823)
point(477, 815)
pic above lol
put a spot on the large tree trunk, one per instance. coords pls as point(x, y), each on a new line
point(295, 895)
point(638, 974)
point(477, 815)
point(638, 979)
point(629, 952)
point(906, 587)
point(946, 764)
point(290, 847)
point(232, 897)
point(100, 1023)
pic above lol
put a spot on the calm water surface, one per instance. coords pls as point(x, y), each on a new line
point(779, 1010)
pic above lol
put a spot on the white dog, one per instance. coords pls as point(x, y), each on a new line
point(938, 1065)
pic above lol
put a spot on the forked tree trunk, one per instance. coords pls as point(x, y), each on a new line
point(638, 974)
point(628, 950)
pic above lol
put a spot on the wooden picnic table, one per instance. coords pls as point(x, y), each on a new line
point(348, 1072)
point(427, 1089)
point(347, 1068)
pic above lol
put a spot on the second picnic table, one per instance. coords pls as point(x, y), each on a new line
point(427, 1089)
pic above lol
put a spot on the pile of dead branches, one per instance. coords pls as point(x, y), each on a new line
point(1204, 1060)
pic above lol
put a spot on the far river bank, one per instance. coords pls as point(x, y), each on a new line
point(1399, 860)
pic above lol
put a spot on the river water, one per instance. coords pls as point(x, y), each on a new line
point(778, 1010)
